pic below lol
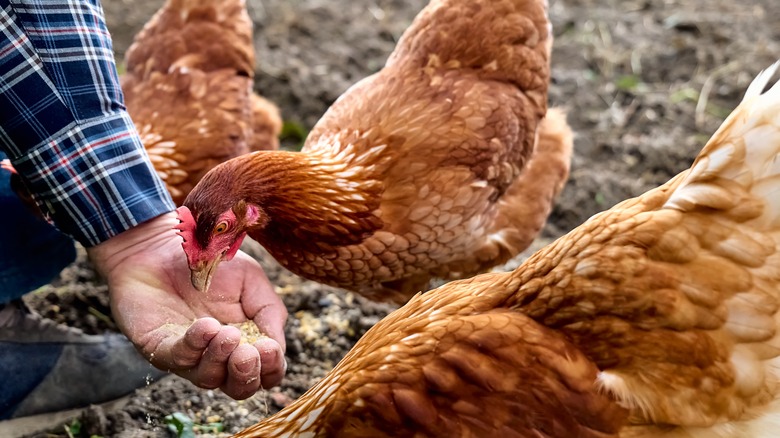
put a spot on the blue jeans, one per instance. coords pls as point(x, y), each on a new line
point(32, 252)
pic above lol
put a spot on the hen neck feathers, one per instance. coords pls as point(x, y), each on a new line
point(314, 198)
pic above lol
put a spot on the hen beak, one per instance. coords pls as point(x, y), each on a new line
point(200, 276)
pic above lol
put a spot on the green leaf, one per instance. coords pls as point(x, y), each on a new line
point(684, 94)
point(628, 82)
point(180, 424)
point(73, 429)
point(211, 427)
point(293, 132)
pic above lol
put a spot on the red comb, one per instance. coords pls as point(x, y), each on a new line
point(186, 226)
point(186, 220)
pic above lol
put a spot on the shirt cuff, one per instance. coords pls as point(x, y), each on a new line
point(95, 180)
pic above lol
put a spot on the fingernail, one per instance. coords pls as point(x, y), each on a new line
point(228, 346)
point(271, 354)
point(247, 365)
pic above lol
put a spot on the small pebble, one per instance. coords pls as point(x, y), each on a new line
point(280, 399)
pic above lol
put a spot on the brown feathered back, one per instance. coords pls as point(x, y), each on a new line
point(188, 88)
point(457, 111)
point(513, 46)
point(204, 34)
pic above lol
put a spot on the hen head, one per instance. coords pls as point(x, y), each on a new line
point(213, 234)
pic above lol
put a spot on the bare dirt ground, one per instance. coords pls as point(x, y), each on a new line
point(645, 81)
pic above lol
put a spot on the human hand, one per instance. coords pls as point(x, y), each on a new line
point(185, 331)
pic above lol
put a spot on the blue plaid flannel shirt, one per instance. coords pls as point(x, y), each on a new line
point(63, 122)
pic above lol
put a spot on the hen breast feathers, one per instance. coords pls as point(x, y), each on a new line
point(429, 168)
point(656, 318)
point(188, 89)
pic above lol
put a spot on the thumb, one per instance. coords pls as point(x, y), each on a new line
point(261, 303)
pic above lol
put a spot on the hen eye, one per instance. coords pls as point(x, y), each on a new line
point(221, 228)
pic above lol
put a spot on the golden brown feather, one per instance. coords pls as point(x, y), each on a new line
point(656, 318)
point(426, 169)
point(188, 89)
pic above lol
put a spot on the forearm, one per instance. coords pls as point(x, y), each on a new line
point(64, 125)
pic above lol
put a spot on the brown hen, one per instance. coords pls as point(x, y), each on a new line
point(188, 89)
point(429, 168)
point(657, 318)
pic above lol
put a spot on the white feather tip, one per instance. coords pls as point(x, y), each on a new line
point(760, 82)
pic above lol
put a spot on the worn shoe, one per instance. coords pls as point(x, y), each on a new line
point(47, 367)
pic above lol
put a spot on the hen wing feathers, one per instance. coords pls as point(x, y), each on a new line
point(656, 318)
point(461, 370)
point(681, 286)
point(455, 165)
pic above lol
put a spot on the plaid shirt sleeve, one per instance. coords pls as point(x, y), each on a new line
point(63, 122)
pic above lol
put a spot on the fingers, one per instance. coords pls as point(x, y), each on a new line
point(270, 319)
point(187, 351)
point(240, 369)
point(210, 355)
point(244, 370)
point(274, 366)
point(260, 301)
point(269, 314)
point(212, 369)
